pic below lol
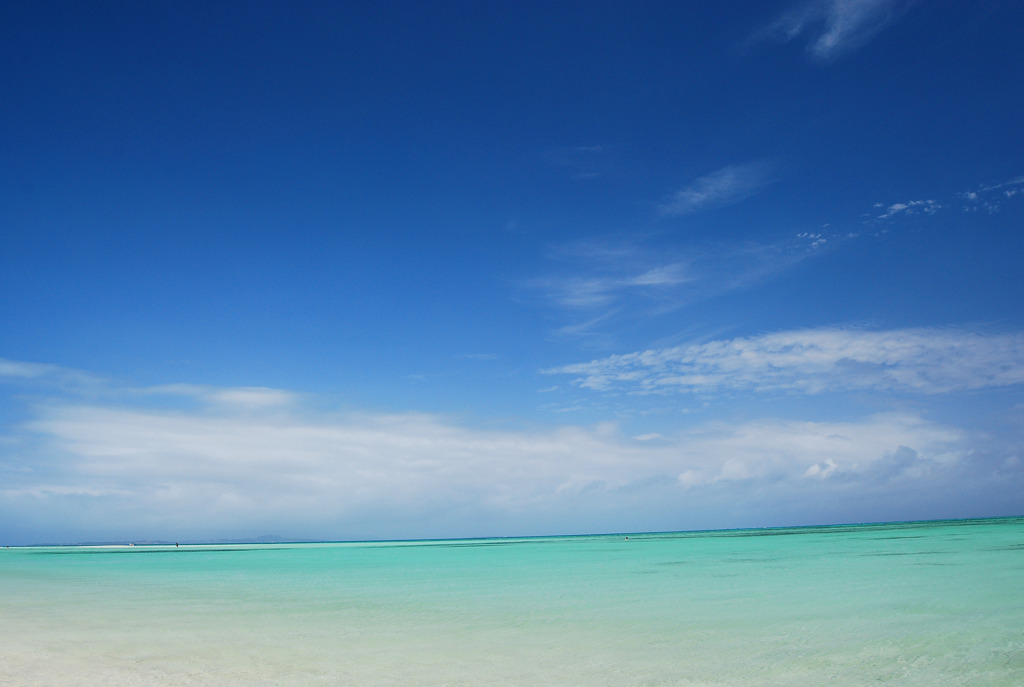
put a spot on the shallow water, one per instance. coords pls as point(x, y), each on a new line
point(912, 604)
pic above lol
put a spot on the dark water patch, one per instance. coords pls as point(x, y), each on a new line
point(475, 545)
point(904, 553)
point(899, 530)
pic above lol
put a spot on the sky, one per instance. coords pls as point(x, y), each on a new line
point(379, 270)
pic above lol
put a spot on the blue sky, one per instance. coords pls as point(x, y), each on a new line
point(400, 270)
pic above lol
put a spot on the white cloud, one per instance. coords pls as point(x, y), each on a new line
point(1011, 184)
point(815, 360)
point(15, 368)
point(253, 397)
point(913, 207)
point(815, 240)
point(21, 372)
point(990, 197)
point(247, 461)
point(367, 474)
point(799, 450)
point(726, 185)
point(835, 27)
point(243, 397)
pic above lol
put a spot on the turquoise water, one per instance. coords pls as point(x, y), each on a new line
point(910, 604)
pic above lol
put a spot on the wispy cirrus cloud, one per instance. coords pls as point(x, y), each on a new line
point(721, 187)
point(599, 290)
point(927, 361)
point(832, 28)
point(595, 279)
point(19, 371)
point(600, 281)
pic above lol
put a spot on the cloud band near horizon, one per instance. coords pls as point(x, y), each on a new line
point(247, 461)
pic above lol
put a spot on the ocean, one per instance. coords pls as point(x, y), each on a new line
point(926, 603)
